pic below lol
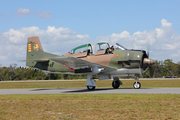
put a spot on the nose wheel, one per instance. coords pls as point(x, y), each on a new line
point(137, 85)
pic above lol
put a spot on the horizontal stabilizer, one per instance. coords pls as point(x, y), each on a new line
point(41, 60)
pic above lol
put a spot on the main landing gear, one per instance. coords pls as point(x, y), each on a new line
point(116, 83)
point(137, 85)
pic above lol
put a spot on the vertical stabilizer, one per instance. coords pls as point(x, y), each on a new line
point(34, 49)
point(36, 43)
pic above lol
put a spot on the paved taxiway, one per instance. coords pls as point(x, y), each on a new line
point(97, 90)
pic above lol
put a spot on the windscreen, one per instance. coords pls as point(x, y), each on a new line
point(119, 47)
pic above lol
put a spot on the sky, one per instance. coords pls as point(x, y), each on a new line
point(64, 24)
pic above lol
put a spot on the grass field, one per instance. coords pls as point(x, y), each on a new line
point(81, 84)
point(90, 106)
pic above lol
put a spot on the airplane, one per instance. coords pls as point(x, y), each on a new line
point(106, 62)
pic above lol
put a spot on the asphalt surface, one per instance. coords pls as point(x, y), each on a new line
point(97, 90)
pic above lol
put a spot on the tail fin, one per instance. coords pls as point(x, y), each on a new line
point(34, 40)
point(34, 49)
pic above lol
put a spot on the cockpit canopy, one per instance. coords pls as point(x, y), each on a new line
point(100, 49)
point(82, 49)
point(102, 46)
point(119, 47)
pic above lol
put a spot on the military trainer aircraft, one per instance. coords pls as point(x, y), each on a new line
point(106, 62)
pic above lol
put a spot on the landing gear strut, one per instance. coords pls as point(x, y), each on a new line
point(137, 85)
point(91, 85)
point(116, 83)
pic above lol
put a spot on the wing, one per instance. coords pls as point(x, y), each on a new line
point(77, 63)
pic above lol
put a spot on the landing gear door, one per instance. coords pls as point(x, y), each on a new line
point(101, 48)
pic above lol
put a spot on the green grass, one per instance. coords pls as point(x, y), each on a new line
point(90, 106)
point(81, 84)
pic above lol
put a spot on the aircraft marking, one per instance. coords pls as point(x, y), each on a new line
point(36, 47)
point(117, 56)
point(70, 68)
point(29, 47)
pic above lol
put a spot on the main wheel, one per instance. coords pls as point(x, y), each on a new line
point(137, 85)
point(91, 87)
point(115, 84)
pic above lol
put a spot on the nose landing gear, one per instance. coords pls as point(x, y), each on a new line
point(137, 85)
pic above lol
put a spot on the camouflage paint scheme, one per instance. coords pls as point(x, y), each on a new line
point(104, 62)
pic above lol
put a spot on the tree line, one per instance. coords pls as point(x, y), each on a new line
point(163, 69)
point(159, 69)
point(21, 73)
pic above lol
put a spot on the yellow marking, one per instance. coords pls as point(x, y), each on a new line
point(36, 47)
point(88, 57)
point(29, 47)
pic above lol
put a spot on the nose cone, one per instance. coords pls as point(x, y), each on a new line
point(148, 61)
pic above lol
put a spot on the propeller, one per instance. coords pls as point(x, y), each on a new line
point(148, 47)
point(147, 51)
point(151, 71)
point(140, 71)
point(147, 63)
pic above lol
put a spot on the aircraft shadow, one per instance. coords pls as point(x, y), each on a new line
point(82, 90)
point(86, 90)
point(97, 89)
point(47, 89)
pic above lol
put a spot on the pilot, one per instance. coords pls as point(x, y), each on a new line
point(111, 49)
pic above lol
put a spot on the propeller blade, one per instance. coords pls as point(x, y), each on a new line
point(148, 53)
point(140, 71)
point(151, 71)
point(148, 48)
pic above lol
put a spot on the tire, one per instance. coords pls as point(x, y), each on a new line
point(137, 86)
point(91, 87)
point(115, 84)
